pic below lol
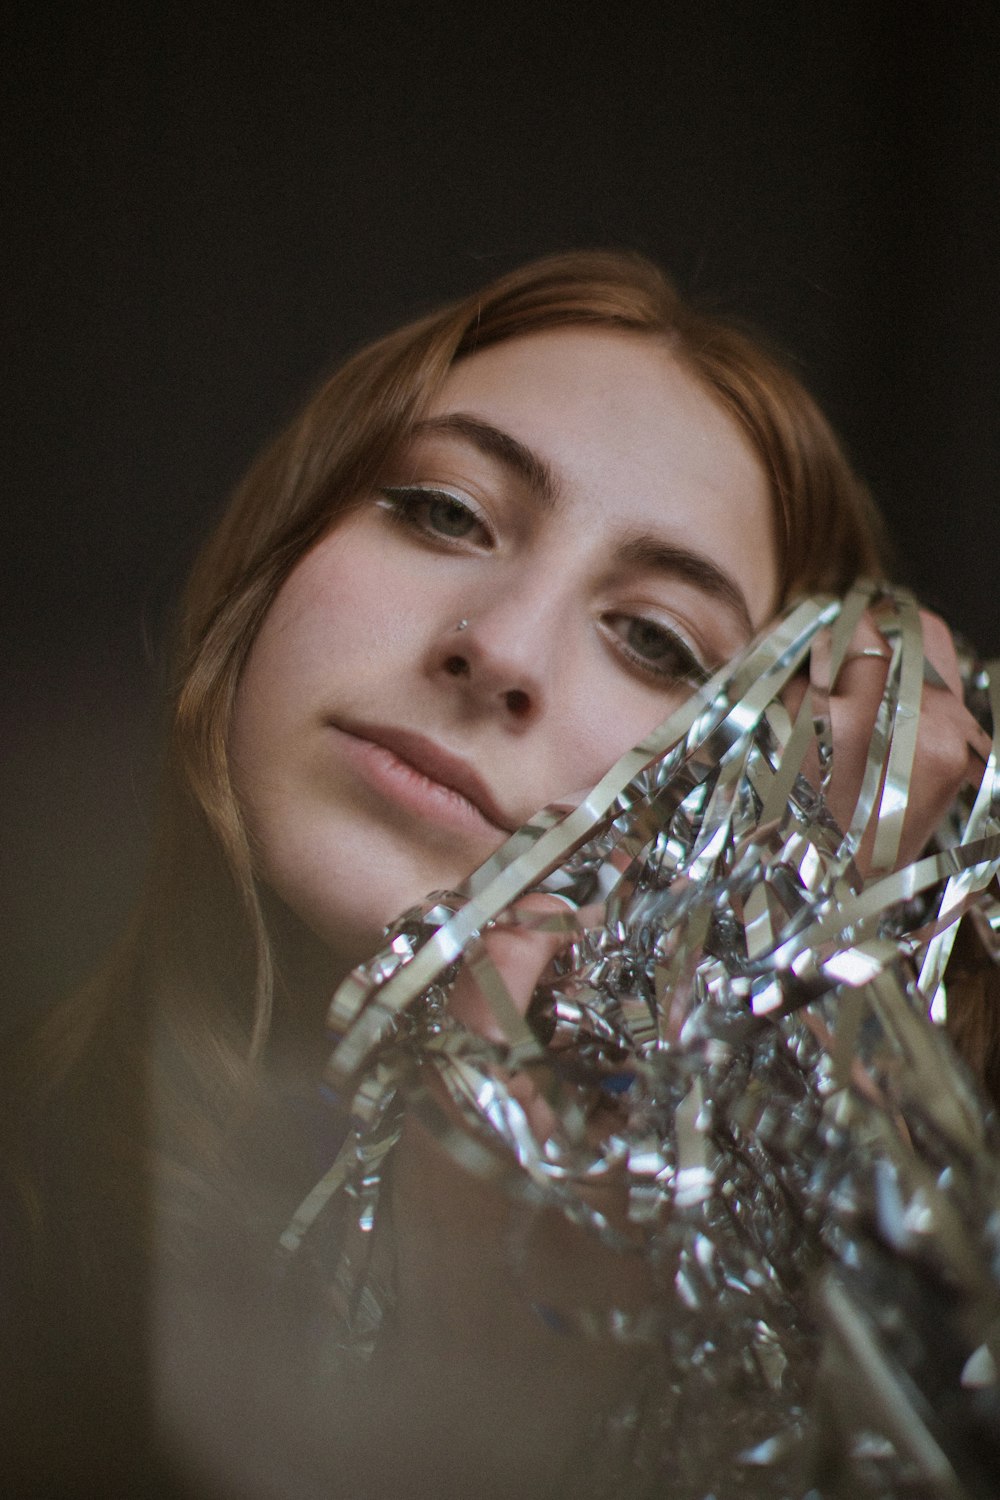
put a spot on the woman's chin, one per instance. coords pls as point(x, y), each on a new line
point(348, 914)
point(338, 941)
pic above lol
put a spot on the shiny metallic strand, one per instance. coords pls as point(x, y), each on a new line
point(813, 1180)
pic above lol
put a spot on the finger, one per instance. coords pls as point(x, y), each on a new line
point(939, 649)
point(863, 668)
point(492, 998)
point(944, 760)
point(519, 951)
point(851, 703)
point(854, 698)
point(950, 746)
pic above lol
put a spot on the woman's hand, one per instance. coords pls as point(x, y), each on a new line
point(951, 746)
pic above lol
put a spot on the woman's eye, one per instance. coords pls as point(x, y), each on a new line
point(657, 649)
point(437, 514)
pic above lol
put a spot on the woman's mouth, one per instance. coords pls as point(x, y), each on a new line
point(422, 777)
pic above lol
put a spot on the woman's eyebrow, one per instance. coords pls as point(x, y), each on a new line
point(641, 550)
point(657, 555)
point(498, 445)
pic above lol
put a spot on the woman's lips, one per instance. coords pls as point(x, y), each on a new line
point(422, 777)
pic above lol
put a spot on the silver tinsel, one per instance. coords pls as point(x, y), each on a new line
point(809, 1172)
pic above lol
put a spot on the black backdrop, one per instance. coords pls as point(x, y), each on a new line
point(208, 209)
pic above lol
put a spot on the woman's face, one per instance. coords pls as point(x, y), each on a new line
point(575, 528)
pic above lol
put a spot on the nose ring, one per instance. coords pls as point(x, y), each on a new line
point(462, 625)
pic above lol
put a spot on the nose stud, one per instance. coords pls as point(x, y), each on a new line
point(457, 666)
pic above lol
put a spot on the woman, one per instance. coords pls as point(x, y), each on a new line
point(493, 553)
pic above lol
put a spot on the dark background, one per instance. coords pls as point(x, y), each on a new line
point(210, 208)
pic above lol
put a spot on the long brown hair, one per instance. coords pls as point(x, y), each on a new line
point(200, 944)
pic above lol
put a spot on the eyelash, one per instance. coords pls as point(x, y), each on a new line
point(407, 506)
point(685, 665)
point(404, 504)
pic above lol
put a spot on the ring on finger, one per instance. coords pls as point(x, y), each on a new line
point(873, 651)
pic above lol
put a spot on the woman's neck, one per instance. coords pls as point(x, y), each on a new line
point(307, 973)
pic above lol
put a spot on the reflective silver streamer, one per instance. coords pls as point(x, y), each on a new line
point(809, 1172)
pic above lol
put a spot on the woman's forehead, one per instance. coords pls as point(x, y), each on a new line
point(595, 399)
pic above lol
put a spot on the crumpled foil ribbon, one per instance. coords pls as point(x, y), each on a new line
point(811, 1174)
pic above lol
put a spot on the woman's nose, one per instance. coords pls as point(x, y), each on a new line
point(495, 656)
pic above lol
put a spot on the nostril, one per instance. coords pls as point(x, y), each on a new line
point(518, 702)
point(457, 666)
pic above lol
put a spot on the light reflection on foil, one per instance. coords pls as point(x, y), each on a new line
point(808, 1170)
